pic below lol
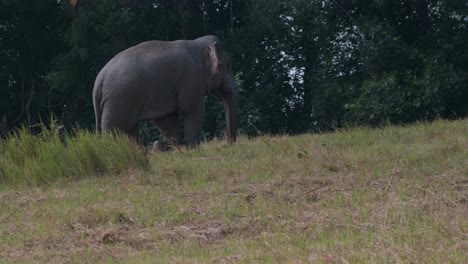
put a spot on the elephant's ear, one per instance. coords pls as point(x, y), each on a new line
point(213, 58)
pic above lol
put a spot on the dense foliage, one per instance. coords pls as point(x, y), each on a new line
point(302, 65)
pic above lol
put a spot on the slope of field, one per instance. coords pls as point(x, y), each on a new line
point(397, 194)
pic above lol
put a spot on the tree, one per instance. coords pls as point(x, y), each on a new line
point(30, 38)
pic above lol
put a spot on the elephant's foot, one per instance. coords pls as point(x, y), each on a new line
point(161, 146)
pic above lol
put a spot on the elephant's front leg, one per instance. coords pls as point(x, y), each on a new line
point(193, 124)
point(169, 128)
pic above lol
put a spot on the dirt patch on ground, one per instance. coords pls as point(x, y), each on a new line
point(202, 233)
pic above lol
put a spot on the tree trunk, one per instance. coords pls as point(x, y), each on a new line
point(28, 103)
point(231, 16)
point(204, 21)
point(3, 126)
point(231, 109)
point(183, 26)
point(422, 10)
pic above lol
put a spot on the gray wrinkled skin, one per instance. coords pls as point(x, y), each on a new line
point(156, 80)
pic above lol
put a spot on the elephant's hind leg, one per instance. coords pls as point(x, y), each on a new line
point(116, 122)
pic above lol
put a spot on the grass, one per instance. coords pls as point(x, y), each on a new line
point(397, 194)
point(42, 159)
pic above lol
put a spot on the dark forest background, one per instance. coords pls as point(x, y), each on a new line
point(301, 65)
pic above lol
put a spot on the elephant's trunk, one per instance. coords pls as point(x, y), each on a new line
point(231, 108)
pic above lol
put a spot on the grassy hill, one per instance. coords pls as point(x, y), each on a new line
point(396, 194)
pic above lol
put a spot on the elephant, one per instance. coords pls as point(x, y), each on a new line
point(156, 80)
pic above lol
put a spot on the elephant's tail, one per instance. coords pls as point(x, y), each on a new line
point(97, 98)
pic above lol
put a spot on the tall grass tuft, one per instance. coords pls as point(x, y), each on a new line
point(28, 159)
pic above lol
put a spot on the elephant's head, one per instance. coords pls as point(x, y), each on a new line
point(221, 82)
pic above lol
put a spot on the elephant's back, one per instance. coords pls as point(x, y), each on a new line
point(155, 49)
point(146, 76)
point(152, 57)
